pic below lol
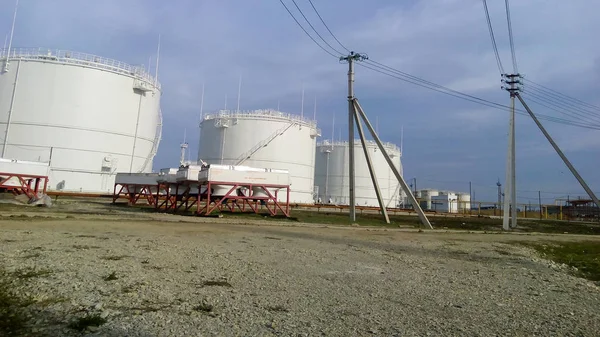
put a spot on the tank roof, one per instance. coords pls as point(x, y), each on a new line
point(388, 145)
point(77, 58)
point(261, 113)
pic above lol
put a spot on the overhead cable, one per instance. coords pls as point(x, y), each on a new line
point(510, 37)
point(305, 32)
point(489, 22)
point(327, 27)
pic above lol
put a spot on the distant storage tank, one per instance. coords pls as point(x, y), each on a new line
point(88, 116)
point(332, 174)
point(263, 139)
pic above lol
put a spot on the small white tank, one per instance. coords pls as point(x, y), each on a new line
point(332, 173)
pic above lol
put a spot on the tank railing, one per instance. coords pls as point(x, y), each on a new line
point(357, 142)
point(72, 57)
point(261, 113)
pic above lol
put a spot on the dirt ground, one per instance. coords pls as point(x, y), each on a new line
point(187, 276)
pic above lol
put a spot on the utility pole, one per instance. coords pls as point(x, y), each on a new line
point(510, 188)
point(470, 192)
point(355, 114)
point(350, 59)
point(499, 207)
point(540, 202)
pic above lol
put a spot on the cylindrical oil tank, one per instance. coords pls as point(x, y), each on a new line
point(88, 116)
point(332, 173)
point(263, 139)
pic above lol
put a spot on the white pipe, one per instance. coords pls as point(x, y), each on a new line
point(12, 30)
point(239, 94)
point(157, 58)
point(315, 110)
point(225, 102)
point(10, 109)
point(137, 124)
point(302, 103)
point(202, 104)
point(4, 47)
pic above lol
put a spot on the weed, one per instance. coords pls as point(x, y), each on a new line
point(51, 300)
point(28, 273)
point(83, 323)
point(204, 307)
point(32, 256)
point(111, 277)
point(217, 283)
point(12, 314)
point(278, 308)
point(114, 257)
point(86, 247)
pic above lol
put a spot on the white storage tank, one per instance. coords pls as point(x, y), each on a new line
point(265, 139)
point(332, 173)
point(86, 115)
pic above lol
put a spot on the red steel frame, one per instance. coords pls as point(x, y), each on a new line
point(221, 202)
point(29, 184)
point(172, 202)
point(129, 191)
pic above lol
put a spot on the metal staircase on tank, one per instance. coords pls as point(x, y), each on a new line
point(155, 143)
point(245, 156)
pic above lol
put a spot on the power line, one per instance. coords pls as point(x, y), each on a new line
point(324, 24)
point(383, 69)
point(386, 70)
point(489, 22)
point(566, 108)
point(510, 37)
point(313, 28)
point(305, 32)
point(569, 98)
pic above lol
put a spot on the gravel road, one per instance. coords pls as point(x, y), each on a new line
point(157, 278)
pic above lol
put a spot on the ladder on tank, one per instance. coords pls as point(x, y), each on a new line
point(245, 156)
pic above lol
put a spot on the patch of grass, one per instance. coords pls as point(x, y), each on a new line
point(28, 273)
point(204, 307)
point(217, 284)
point(83, 323)
point(332, 216)
point(31, 256)
point(111, 277)
point(85, 247)
point(114, 257)
point(585, 256)
point(278, 308)
point(51, 300)
point(12, 315)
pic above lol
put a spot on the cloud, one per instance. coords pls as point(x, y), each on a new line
point(444, 41)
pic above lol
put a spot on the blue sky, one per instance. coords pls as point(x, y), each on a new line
point(447, 142)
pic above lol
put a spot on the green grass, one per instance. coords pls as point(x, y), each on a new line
point(12, 316)
point(438, 222)
point(585, 256)
point(83, 323)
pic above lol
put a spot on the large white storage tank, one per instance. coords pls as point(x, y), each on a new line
point(88, 116)
point(332, 173)
point(265, 139)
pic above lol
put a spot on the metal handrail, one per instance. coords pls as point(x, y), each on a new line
point(78, 58)
point(261, 113)
point(356, 142)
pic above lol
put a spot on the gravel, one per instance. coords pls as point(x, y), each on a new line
point(155, 278)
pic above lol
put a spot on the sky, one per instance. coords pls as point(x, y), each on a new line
point(448, 142)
